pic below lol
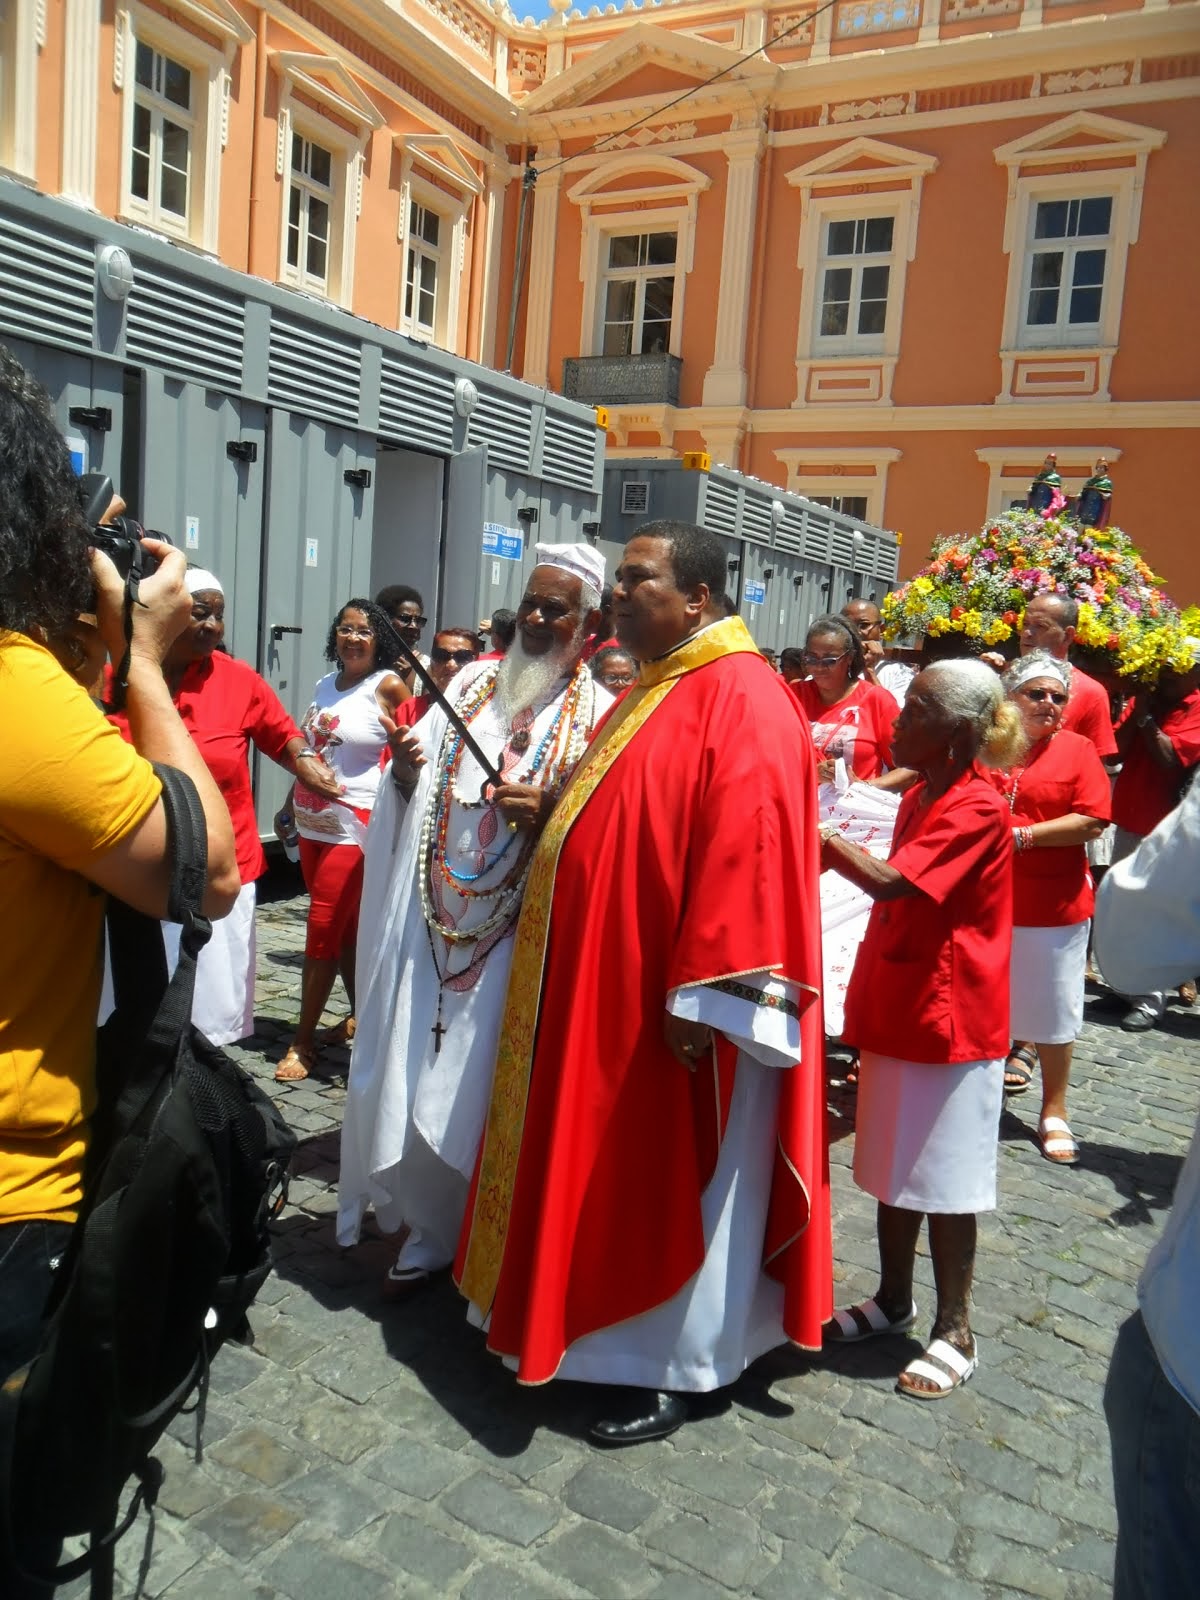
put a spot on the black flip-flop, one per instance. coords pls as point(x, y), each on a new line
point(1020, 1065)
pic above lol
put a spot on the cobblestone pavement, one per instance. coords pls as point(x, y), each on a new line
point(356, 1451)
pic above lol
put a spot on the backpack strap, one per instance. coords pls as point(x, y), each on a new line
point(187, 841)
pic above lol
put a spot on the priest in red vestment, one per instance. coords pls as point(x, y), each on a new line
point(651, 1204)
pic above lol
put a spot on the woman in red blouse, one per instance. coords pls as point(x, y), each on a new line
point(1059, 798)
point(227, 708)
point(927, 1007)
point(850, 717)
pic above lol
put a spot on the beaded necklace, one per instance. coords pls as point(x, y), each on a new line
point(1019, 772)
point(548, 767)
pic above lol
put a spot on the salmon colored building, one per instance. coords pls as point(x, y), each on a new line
point(883, 252)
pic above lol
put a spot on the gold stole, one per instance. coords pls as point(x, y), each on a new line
point(514, 1059)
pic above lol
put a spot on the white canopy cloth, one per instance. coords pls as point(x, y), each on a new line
point(864, 816)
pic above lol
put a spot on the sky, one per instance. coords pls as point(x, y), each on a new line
point(537, 9)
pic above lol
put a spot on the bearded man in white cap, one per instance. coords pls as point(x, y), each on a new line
point(446, 861)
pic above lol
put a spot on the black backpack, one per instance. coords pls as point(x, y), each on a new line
point(188, 1165)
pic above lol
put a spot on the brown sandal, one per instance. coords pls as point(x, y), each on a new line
point(340, 1033)
point(294, 1066)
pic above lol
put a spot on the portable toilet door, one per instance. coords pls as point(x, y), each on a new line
point(757, 608)
point(204, 480)
point(317, 555)
point(89, 398)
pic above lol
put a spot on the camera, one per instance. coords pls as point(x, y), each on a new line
point(121, 537)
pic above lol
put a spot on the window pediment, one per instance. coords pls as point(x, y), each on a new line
point(441, 158)
point(1081, 137)
point(323, 80)
point(859, 160)
point(217, 18)
point(638, 177)
point(631, 52)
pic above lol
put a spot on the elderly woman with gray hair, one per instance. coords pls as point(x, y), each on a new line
point(1058, 797)
point(928, 1008)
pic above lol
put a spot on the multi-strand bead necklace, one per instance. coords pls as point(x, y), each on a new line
point(1023, 837)
point(547, 767)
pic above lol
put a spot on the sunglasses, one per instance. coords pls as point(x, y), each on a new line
point(824, 661)
point(1055, 696)
point(409, 622)
point(443, 656)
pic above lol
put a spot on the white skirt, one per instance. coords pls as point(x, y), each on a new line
point(223, 1003)
point(1046, 978)
point(223, 1000)
point(926, 1136)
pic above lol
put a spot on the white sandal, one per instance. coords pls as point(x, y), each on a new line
point(1062, 1151)
point(866, 1321)
point(953, 1371)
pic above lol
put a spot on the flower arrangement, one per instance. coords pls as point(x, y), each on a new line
point(979, 587)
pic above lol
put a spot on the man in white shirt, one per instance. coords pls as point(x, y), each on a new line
point(894, 676)
point(1148, 937)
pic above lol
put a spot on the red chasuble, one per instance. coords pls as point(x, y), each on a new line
point(684, 851)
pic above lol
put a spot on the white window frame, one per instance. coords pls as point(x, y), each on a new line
point(417, 251)
point(829, 501)
point(852, 343)
point(22, 36)
point(849, 479)
point(149, 208)
point(638, 275)
point(452, 198)
point(1071, 186)
point(323, 82)
point(210, 66)
point(331, 194)
point(1101, 166)
point(670, 205)
point(838, 169)
point(1062, 334)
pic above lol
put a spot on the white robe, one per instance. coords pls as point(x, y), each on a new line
point(414, 1115)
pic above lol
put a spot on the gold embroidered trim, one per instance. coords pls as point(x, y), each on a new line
point(518, 1033)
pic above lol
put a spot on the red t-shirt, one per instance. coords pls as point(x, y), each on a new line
point(1088, 713)
point(931, 979)
point(226, 707)
point(1053, 888)
point(858, 728)
point(1145, 793)
point(411, 712)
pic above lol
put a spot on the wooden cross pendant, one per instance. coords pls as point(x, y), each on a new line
point(438, 1030)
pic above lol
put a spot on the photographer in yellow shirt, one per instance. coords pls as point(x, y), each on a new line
point(80, 816)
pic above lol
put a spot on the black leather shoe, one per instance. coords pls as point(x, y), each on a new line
point(646, 1414)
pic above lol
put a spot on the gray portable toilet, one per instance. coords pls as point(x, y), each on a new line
point(304, 454)
point(788, 559)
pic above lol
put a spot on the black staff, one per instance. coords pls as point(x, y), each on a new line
point(456, 721)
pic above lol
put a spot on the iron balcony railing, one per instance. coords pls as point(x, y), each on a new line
point(622, 380)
